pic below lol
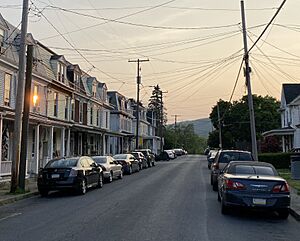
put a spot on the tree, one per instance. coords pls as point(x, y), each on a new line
point(184, 137)
point(235, 119)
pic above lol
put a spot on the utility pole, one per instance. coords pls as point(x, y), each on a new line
point(220, 127)
point(25, 123)
point(19, 101)
point(175, 127)
point(248, 83)
point(138, 82)
point(161, 118)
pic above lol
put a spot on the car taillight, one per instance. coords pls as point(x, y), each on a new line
point(73, 173)
point(216, 165)
point(232, 185)
point(281, 188)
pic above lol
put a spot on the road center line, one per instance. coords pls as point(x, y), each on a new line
point(10, 216)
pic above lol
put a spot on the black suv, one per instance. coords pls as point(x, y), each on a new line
point(77, 173)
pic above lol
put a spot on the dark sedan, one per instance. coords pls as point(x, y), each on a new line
point(77, 173)
point(253, 185)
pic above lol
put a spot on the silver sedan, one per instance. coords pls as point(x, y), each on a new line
point(111, 169)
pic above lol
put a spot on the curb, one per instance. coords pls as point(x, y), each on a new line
point(18, 197)
point(295, 214)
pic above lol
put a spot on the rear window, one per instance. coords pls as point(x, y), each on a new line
point(62, 163)
point(252, 170)
point(226, 157)
point(100, 159)
point(121, 156)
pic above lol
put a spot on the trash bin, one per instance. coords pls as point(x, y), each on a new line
point(295, 166)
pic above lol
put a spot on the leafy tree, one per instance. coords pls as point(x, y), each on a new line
point(184, 137)
point(235, 119)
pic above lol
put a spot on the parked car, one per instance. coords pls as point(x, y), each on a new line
point(141, 158)
point(111, 169)
point(149, 155)
point(223, 157)
point(163, 156)
point(179, 152)
point(77, 173)
point(171, 154)
point(129, 163)
point(253, 185)
point(211, 157)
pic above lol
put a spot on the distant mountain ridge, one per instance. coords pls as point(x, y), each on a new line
point(201, 126)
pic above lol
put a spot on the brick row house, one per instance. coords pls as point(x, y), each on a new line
point(72, 113)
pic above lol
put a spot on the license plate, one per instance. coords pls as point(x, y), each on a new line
point(55, 175)
point(259, 201)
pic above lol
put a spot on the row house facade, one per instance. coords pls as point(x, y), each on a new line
point(71, 114)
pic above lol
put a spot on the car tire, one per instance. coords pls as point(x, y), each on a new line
point(82, 187)
point(211, 180)
point(215, 186)
point(153, 164)
point(100, 181)
point(283, 213)
point(224, 209)
point(219, 197)
point(121, 175)
point(44, 192)
point(110, 178)
point(130, 170)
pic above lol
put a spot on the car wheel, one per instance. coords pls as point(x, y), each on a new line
point(211, 180)
point(153, 164)
point(224, 209)
point(215, 186)
point(219, 197)
point(121, 175)
point(44, 192)
point(283, 213)
point(110, 178)
point(82, 187)
point(100, 181)
point(130, 170)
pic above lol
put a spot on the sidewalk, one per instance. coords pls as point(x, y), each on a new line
point(6, 197)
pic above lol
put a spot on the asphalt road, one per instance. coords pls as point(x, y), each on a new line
point(172, 201)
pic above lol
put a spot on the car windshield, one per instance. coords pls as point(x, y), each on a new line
point(100, 159)
point(62, 163)
point(252, 170)
point(120, 156)
point(226, 157)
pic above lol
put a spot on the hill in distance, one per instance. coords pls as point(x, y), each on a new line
point(201, 126)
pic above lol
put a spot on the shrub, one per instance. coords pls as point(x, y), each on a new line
point(278, 160)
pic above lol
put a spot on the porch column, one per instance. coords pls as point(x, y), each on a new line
point(62, 142)
point(37, 149)
point(103, 145)
point(1, 127)
point(51, 142)
point(68, 151)
point(283, 144)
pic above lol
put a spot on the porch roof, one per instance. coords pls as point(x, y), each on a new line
point(285, 131)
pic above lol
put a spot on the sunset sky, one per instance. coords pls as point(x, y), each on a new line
point(194, 46)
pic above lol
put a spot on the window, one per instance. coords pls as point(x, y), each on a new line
point(36, 102)
point(55, 106)
point(80, 112)
point(67, 108)
point(7, 83)
point(77, 81)
point(61, 70)
point(92, 115)
point(98, 117)
point(1, 37)
point(94, 90)
point(73, 109)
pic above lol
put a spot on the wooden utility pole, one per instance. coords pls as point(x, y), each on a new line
point(175, 128)
point(19, 101)
point(220, 127)
point(138, 82)
point(248, 83)
point(25, 123)
point(161, 119)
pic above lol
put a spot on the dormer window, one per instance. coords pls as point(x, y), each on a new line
point(77, 80)
point(1, 37)
point(61, 72)
point(94, 90)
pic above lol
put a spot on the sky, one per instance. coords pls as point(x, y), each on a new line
point(194, 47)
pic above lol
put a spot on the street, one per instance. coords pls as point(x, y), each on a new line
point(172, 201)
